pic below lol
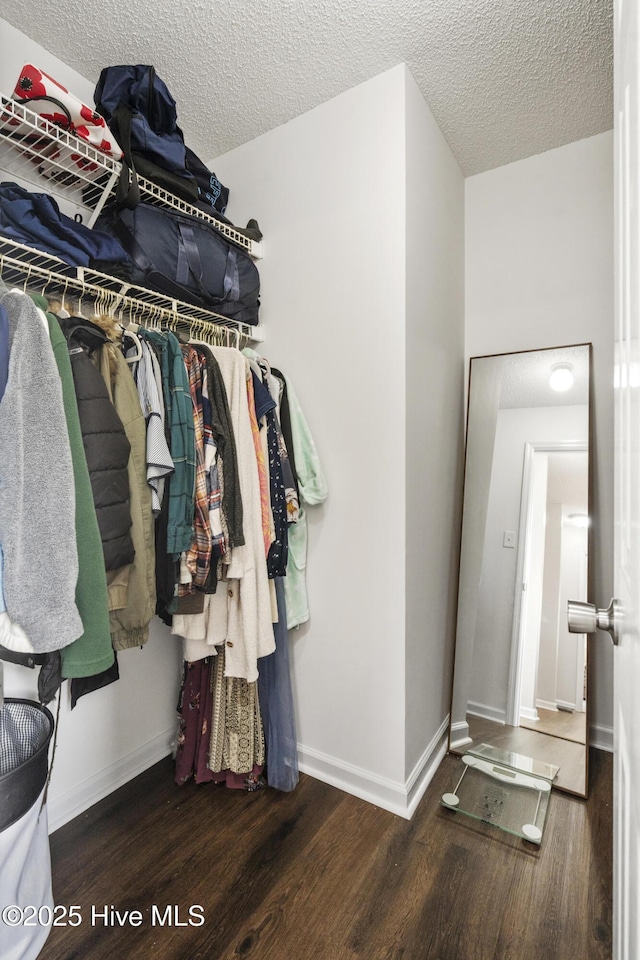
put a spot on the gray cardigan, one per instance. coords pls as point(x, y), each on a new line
point(37, 495)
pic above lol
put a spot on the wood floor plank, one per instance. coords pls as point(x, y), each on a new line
point(559, 723)
point(319, 875)
point(323, 883)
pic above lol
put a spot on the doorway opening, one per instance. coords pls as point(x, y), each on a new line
point(547, 682)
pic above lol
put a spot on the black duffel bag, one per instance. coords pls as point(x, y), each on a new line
point(142, 116)
point(185, 258)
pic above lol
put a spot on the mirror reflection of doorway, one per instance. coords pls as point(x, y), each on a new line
point(549, 690)
point(514, 411)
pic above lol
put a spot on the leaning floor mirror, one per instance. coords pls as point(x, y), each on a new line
point(519, 686)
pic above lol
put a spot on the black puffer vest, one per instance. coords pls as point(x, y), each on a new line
point(105, 442)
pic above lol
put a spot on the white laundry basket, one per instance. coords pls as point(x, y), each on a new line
point(26, 899)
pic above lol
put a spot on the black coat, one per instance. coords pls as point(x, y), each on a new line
point(105, 443)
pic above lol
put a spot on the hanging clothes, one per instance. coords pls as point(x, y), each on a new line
point(107, 450)
point(177, 398)
point(236, 739)
point(224, 436)
point(276, 703)
point(12, 637)
point(225, 715)
point(285, 423)
point(147, 376)
point(220, 735)
point(292, 494)
point(313, 489)
point(214, 479)
point(194, 710)
point(239, 615)
point(130, 621)
point(197, 559)
point(91, 653)
point(37, 493)
point(268, 532)
point(310, 483)
point(266, 407)
point(275, 389)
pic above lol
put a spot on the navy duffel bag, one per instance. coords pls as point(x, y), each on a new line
point(185, 258)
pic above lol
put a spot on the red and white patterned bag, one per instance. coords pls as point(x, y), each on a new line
point(56, 105)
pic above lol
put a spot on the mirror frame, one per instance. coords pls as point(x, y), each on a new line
point(458, 751)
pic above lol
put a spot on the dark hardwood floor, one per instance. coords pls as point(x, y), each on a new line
point(319, 875)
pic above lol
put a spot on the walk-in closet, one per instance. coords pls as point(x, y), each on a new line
point(312, 755)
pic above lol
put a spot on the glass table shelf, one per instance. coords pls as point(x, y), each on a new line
point(504, 796)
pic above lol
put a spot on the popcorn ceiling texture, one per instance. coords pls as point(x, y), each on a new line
point(505, 79)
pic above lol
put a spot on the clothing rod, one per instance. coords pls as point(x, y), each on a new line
point(26, 267)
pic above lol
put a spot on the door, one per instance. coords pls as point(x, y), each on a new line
point(627, 485)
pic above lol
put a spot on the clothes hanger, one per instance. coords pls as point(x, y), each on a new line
point(131, 335)
point(62, 311)
point(196, 333)
point(219, 335)
point(135, 318)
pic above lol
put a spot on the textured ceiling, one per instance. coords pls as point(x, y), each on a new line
point(525, 378)
point(505, 79)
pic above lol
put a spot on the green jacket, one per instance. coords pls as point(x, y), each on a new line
point(91, 653)
point(177, 398)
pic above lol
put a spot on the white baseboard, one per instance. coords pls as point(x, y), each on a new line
point(75, 801)
point(459, 734)
point(529, 713)
point(486, 712)
point(547, 704)
point(601, 737)
point(425, 768)
point(399, 798)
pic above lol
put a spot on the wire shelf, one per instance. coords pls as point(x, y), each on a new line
point(68, 167)
point(28, 268)
point(152, 193)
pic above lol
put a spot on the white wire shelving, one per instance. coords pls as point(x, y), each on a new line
point(30, 269)
point(42, 153)
point(54, 161)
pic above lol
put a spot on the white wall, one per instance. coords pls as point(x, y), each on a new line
point(328, 192)
point(539, 273)
point(16, 50)
point(369, 327)
point(482, 420)
point(434, 418)
point(114, 733)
